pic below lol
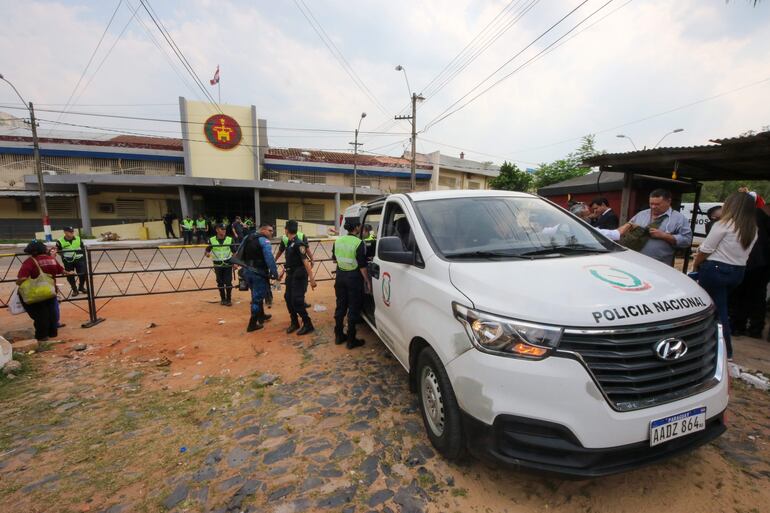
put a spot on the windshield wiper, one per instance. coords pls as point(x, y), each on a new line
point(486, 254)
point(573, 248)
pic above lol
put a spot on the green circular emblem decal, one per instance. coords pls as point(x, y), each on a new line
point(618, 278)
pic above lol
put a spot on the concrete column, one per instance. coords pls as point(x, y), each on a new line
point(184, 200)
point(337, 211)
point(85, 214)
point(257, 216)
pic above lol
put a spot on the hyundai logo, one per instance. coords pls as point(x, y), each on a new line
point(670, 349)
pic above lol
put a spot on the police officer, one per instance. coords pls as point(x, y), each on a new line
point(298, 271)
point(257, 258)
point(350, 284)
point(220, 246)
point(188, 225)
point(71, 248)
point(201, 227)
point(368, 233)
point(285, 242)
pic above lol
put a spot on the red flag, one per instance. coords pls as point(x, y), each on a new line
point(215, 80)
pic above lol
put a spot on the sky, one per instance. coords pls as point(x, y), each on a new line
point(640, 68)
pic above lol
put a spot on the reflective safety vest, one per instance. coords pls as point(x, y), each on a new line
point(187, 224)
point(345, 249)
point(221, 250)
point(370, 237)
point(285, 238)
point(200, 223)
point(69, 247)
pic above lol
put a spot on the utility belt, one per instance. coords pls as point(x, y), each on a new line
point(299, 268)
point(252, 266)
point(223, 263)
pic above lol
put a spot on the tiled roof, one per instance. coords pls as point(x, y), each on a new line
point(333, 157)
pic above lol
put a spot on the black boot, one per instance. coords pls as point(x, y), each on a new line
point(265, 316)
point(353, 342)
point(294, 326)
point(307, 327)
point(228, 296)
point(339, 335)
point(254, 323)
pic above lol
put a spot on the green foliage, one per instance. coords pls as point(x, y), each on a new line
point(568, 167)
point(511, 178)
point(718, 191)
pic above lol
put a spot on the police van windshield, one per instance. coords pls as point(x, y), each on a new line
point(504, 226)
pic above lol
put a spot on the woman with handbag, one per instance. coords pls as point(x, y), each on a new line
point(37, 289)
point(721, 258)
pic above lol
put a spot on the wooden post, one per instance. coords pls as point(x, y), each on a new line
point(625, 198)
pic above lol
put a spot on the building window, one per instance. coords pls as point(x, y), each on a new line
point(313, 212)
point(474, 185)
point(130, 208)
point(106, 208)
point(61, 207)
point(447, 181)
point(28, 204)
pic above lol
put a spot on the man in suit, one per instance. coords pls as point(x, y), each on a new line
point(603, 216)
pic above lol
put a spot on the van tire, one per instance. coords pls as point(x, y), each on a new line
point(438, 406)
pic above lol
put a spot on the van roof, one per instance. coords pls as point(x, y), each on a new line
point(465, 193)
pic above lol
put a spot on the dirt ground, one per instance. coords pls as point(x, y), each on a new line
point(173, 406)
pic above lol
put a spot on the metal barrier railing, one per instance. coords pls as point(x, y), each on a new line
point(114, 272)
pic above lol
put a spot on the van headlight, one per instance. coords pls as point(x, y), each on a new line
point(507, 337)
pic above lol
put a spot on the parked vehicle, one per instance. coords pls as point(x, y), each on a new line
point(533, 340)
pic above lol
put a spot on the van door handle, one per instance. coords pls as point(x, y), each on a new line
point(374, 271)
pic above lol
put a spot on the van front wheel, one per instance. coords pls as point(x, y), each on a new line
point(438, 406)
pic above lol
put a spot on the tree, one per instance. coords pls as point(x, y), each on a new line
point(511, 178)
point(570, 166)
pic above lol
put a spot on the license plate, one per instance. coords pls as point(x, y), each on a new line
point(681, 424)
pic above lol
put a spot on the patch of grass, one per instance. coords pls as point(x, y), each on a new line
point(6, 391)
point(426, 480)
point(459, 492)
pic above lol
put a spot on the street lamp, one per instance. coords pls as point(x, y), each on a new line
point(355, 156)
point(413, 118)
point(623, 136)
point(674, 131)
point(38, 165)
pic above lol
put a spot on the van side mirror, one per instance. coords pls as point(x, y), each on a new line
point(391, 249)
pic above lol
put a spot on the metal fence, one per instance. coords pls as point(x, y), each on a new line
point(115, 272)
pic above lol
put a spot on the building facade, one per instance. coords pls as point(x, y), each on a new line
point(222, 166)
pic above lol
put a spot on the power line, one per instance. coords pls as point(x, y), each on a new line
point(337, 54)
point(652, 116)
point(180, 122)
point(446, 112)
point(91, 58)
point(180, 55)
point(106, 56)
point(486, 45)
point(475, 152)
point(452, 70)
point(165, 55)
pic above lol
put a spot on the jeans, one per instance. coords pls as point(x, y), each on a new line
point(719, 279)
point(258, 285)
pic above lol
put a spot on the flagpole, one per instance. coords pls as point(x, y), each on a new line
point(219, 90)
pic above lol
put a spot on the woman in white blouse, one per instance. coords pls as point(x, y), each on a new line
point(721, 259)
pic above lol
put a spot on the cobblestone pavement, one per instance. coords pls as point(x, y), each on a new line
point(79, 434)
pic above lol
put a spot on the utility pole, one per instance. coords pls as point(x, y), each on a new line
point(39, 172)
point(356, 144)
point(36, 156)
point(413, 120)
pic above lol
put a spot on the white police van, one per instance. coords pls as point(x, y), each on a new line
point(533, 340)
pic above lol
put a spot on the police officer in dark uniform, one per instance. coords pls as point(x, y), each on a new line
point(256, 255)
point(298, 272)
point(352, 281)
